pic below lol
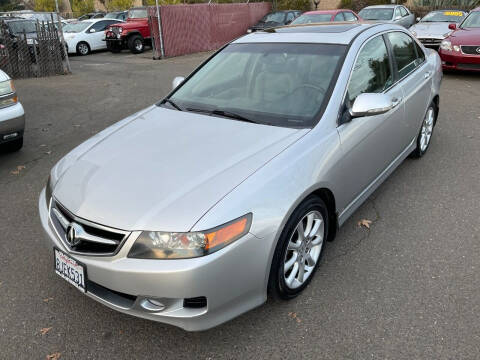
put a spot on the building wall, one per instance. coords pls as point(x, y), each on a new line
point(327, 4)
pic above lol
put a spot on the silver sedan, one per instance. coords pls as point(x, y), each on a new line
point(191, 211)
point(12, 116)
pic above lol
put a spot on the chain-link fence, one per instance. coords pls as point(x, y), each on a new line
point(25, 55)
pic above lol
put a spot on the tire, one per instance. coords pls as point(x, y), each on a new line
point(114, 47)
point(291, 252)
point(83, 48)
point(14, 145)
point(136, 44)
point(424, 137)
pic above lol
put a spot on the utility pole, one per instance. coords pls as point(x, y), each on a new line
point(62, 40)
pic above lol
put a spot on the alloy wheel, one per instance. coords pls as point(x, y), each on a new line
point(303, 249)
point(83, 49)
point(427, 129)
point(138, 45)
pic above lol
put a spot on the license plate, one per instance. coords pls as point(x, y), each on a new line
point(70, 269)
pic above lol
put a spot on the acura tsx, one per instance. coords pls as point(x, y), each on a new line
point(192, 210)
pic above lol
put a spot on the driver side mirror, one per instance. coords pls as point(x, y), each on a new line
point(418, 19)
point(177, 81)
point(452, 26)
point(91, 31)
point(370, 104)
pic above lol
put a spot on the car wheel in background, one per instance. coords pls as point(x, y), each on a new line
point(299, 249)
point(83, 48)
point(426, 131)
point(136, 44)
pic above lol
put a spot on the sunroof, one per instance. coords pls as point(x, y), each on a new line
point(314, 28)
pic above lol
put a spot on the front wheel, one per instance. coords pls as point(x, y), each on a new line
point(83, 48)
point(299, 249)
point(136, 44)
point(426, 132)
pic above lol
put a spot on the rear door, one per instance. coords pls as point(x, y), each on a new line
point(413, 75)
point(370, 143)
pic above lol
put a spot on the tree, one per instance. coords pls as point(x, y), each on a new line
point(45, 5)
point(162, 2)
point(118, 4)
point(83, 6)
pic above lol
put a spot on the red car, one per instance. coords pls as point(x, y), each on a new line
point(133, 34)
point(461, 50)
point(326, 16)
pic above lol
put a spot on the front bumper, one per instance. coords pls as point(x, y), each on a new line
point(12, 122)
point(456, 60)
point(233, 280)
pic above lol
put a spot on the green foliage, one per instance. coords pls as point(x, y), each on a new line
point(162, 2)
point(447, 4)
point(45, 5)
point(7, 5)
point(113, 5)
point(83, 6)
point(293, 5)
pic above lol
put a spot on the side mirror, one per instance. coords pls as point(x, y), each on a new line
point(369, 104)
point(418, 19)
point(91, 30)
point(177, 81)
point(452, 26)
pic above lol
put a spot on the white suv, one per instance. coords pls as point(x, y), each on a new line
point(12, 116)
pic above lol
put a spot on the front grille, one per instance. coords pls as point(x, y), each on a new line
point(471, 49)
point(468, 66)
point(115, 30)
point(429, 41)
point(88, 238)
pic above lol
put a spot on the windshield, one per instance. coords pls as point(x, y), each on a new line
point(444, 16)
point(376, 14)
point(311, 18)
point(281, 84)
point(472, 20)
point(277, 17)
point(76, 27)
point(18, 27)
point(137, 13)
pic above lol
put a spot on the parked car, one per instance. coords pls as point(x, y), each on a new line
point(93, 15)
point(82, 37)
point(433, 27)
point(12, 116)
point(133, 35)
point(190, 210)
point(461, 50)
point(397, 14)
point(326, 16)
point(119, 15)
point(274, 19)
point(17, 28)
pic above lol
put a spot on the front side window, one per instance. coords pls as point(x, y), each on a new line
point(472, 21)
point(376, 14)
point(404, 52)
point(19, 27)
point(101, 25)
point(290, 16)
point(398, 14)
point(403, 11)
point(281, 84)
point(277, 17)
point(372, 71)
point(349, 16)
point(339, 17)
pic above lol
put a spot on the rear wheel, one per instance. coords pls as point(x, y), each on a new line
point(136, 44)
point(299, 249)
point(426, 132)
point(83, 48)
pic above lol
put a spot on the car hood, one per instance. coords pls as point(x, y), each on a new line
point(164, 169)
point(433, 29)
point(465, 36)
point(132, 24)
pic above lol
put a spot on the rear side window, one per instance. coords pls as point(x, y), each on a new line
point(404, 53)
point(398, 14)
point(403, 11)
point(339, 17)
point(349, 16)
point(372, 71)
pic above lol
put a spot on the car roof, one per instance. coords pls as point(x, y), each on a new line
point(476, 9)
point(381, 6)
point(344, 32)
point(324, 11)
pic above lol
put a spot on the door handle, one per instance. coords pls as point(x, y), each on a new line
point(427, 74)
point(395, 102)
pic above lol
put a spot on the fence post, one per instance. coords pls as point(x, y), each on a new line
point(61, 37)
point(160, 34)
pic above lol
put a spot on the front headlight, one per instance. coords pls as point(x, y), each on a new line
point(48, 190)
point(7, 93)
point(446, 45)
point(120, 30)
point(165, 245)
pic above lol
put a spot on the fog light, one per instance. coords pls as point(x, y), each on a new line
point(152, 305)
point(10, 136)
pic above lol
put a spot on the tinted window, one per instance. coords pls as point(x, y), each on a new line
point(101, 25)
point(420, 54)
point(339, 17)
point(404, 52)
point(372, 72)
point(274, 83)
point(349, 16)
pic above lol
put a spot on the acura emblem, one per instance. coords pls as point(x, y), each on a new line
point(72, 235)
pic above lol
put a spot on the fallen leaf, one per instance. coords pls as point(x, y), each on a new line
point(294, 316)
point(54, 356)
point(19, 168)
point(364, 222)
point(43, 331)
point(47, 299)
point(48, 152)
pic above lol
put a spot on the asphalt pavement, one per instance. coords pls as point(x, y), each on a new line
point(407, 288)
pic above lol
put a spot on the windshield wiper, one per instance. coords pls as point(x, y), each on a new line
point(224, 113)
point(171, 102)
